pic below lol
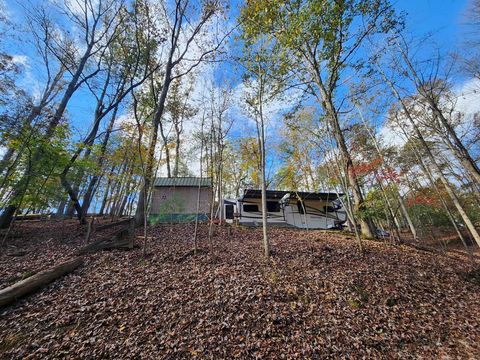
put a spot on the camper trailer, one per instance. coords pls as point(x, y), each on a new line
point(305, 210)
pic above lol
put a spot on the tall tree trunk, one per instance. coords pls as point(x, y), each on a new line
point(210, 164)
point(195, 232)
point(47, 96)
point(119, 185)
point(459, 149)
point(7, 215)
point(168, 158)
point(72, 191)
point(326, 101)
point(407, 217)
point(140, 215)
point(468, 222)
point(178, 132)
point(126, 191)
point(61, 208)
point(87, 199)
point(450, 216)
point(387, 167)
point(177, 156)
point(261, 146)
point(390, 211)
point(107, 190)
point(6, 159)
point(467, 174)
point(365, 223)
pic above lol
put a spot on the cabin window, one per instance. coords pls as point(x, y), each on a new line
point(273, 206)
point(300, 207)
point(250, 208)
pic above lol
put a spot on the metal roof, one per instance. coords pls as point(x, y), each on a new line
point(278, 194)
point(183, 182)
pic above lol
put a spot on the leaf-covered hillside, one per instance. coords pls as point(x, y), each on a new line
point(315, 297)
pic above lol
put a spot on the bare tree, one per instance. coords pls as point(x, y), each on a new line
point(182, 36)
point(98, 24)
point(121, 77)
point(407, 113)
point(432, 89)
point(260, 92)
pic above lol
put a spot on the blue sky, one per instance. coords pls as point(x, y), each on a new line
point(444, 19)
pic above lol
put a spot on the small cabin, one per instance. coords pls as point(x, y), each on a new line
point(309, 210)
point(175, 199)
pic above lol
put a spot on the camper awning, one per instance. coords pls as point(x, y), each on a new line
point(278, 194)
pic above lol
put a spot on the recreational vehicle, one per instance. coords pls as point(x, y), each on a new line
point(288, 208)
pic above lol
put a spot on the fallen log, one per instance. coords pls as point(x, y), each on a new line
point(110, 225)
point(37, 281)
point(423, 248)
point(121, 239)
point(16, 252)
point(33, 217)
point(141, 237)
point(106, 244)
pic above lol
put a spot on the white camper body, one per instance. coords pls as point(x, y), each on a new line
point(297, 209)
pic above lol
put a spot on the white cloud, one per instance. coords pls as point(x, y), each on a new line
point(20, 60)
point(466, 100)
point(468, 103)
point(79, 7)
point(30, 77)
point(389, 136)
point(273, 109)
point(468, 96)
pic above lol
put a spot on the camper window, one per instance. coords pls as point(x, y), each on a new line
point(250, 208)
point(300, 207)
point(229, 211)
point(273, 206)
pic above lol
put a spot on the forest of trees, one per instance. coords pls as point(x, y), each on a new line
point(117, 115)
point(296, 95)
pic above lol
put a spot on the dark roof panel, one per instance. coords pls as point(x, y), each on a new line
point(329, 196)
point(183, 182)
point(257, 194)
point(278, 194)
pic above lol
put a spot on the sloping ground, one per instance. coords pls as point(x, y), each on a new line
point(316, 298)
point(46, 244)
